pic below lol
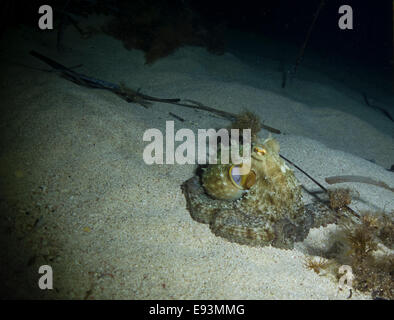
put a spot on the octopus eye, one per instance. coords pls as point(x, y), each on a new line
point(260, 151)
point(241, 181)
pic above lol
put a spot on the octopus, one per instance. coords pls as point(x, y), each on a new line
point(258, 208)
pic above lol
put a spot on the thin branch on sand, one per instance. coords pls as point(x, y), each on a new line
point(131, 95)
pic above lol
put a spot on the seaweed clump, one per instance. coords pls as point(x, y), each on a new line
point(365, 247)
point(364, 242)
point(160, 27)
point(317, 265)
point(339, 198)
point(247, 120)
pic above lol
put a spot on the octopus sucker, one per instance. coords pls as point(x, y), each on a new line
point(263, 208)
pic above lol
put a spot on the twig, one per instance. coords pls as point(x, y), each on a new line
point(359, 179)
point(385, 112)
point(200, 106)
point(323, 188)
point(366, 100)
point(176, 117)
point(302, 50)
point(304, 173)
point(131, 95)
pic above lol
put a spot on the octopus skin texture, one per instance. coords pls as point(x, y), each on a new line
point(269, 211)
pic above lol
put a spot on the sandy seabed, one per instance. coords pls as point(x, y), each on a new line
point(77, 195)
